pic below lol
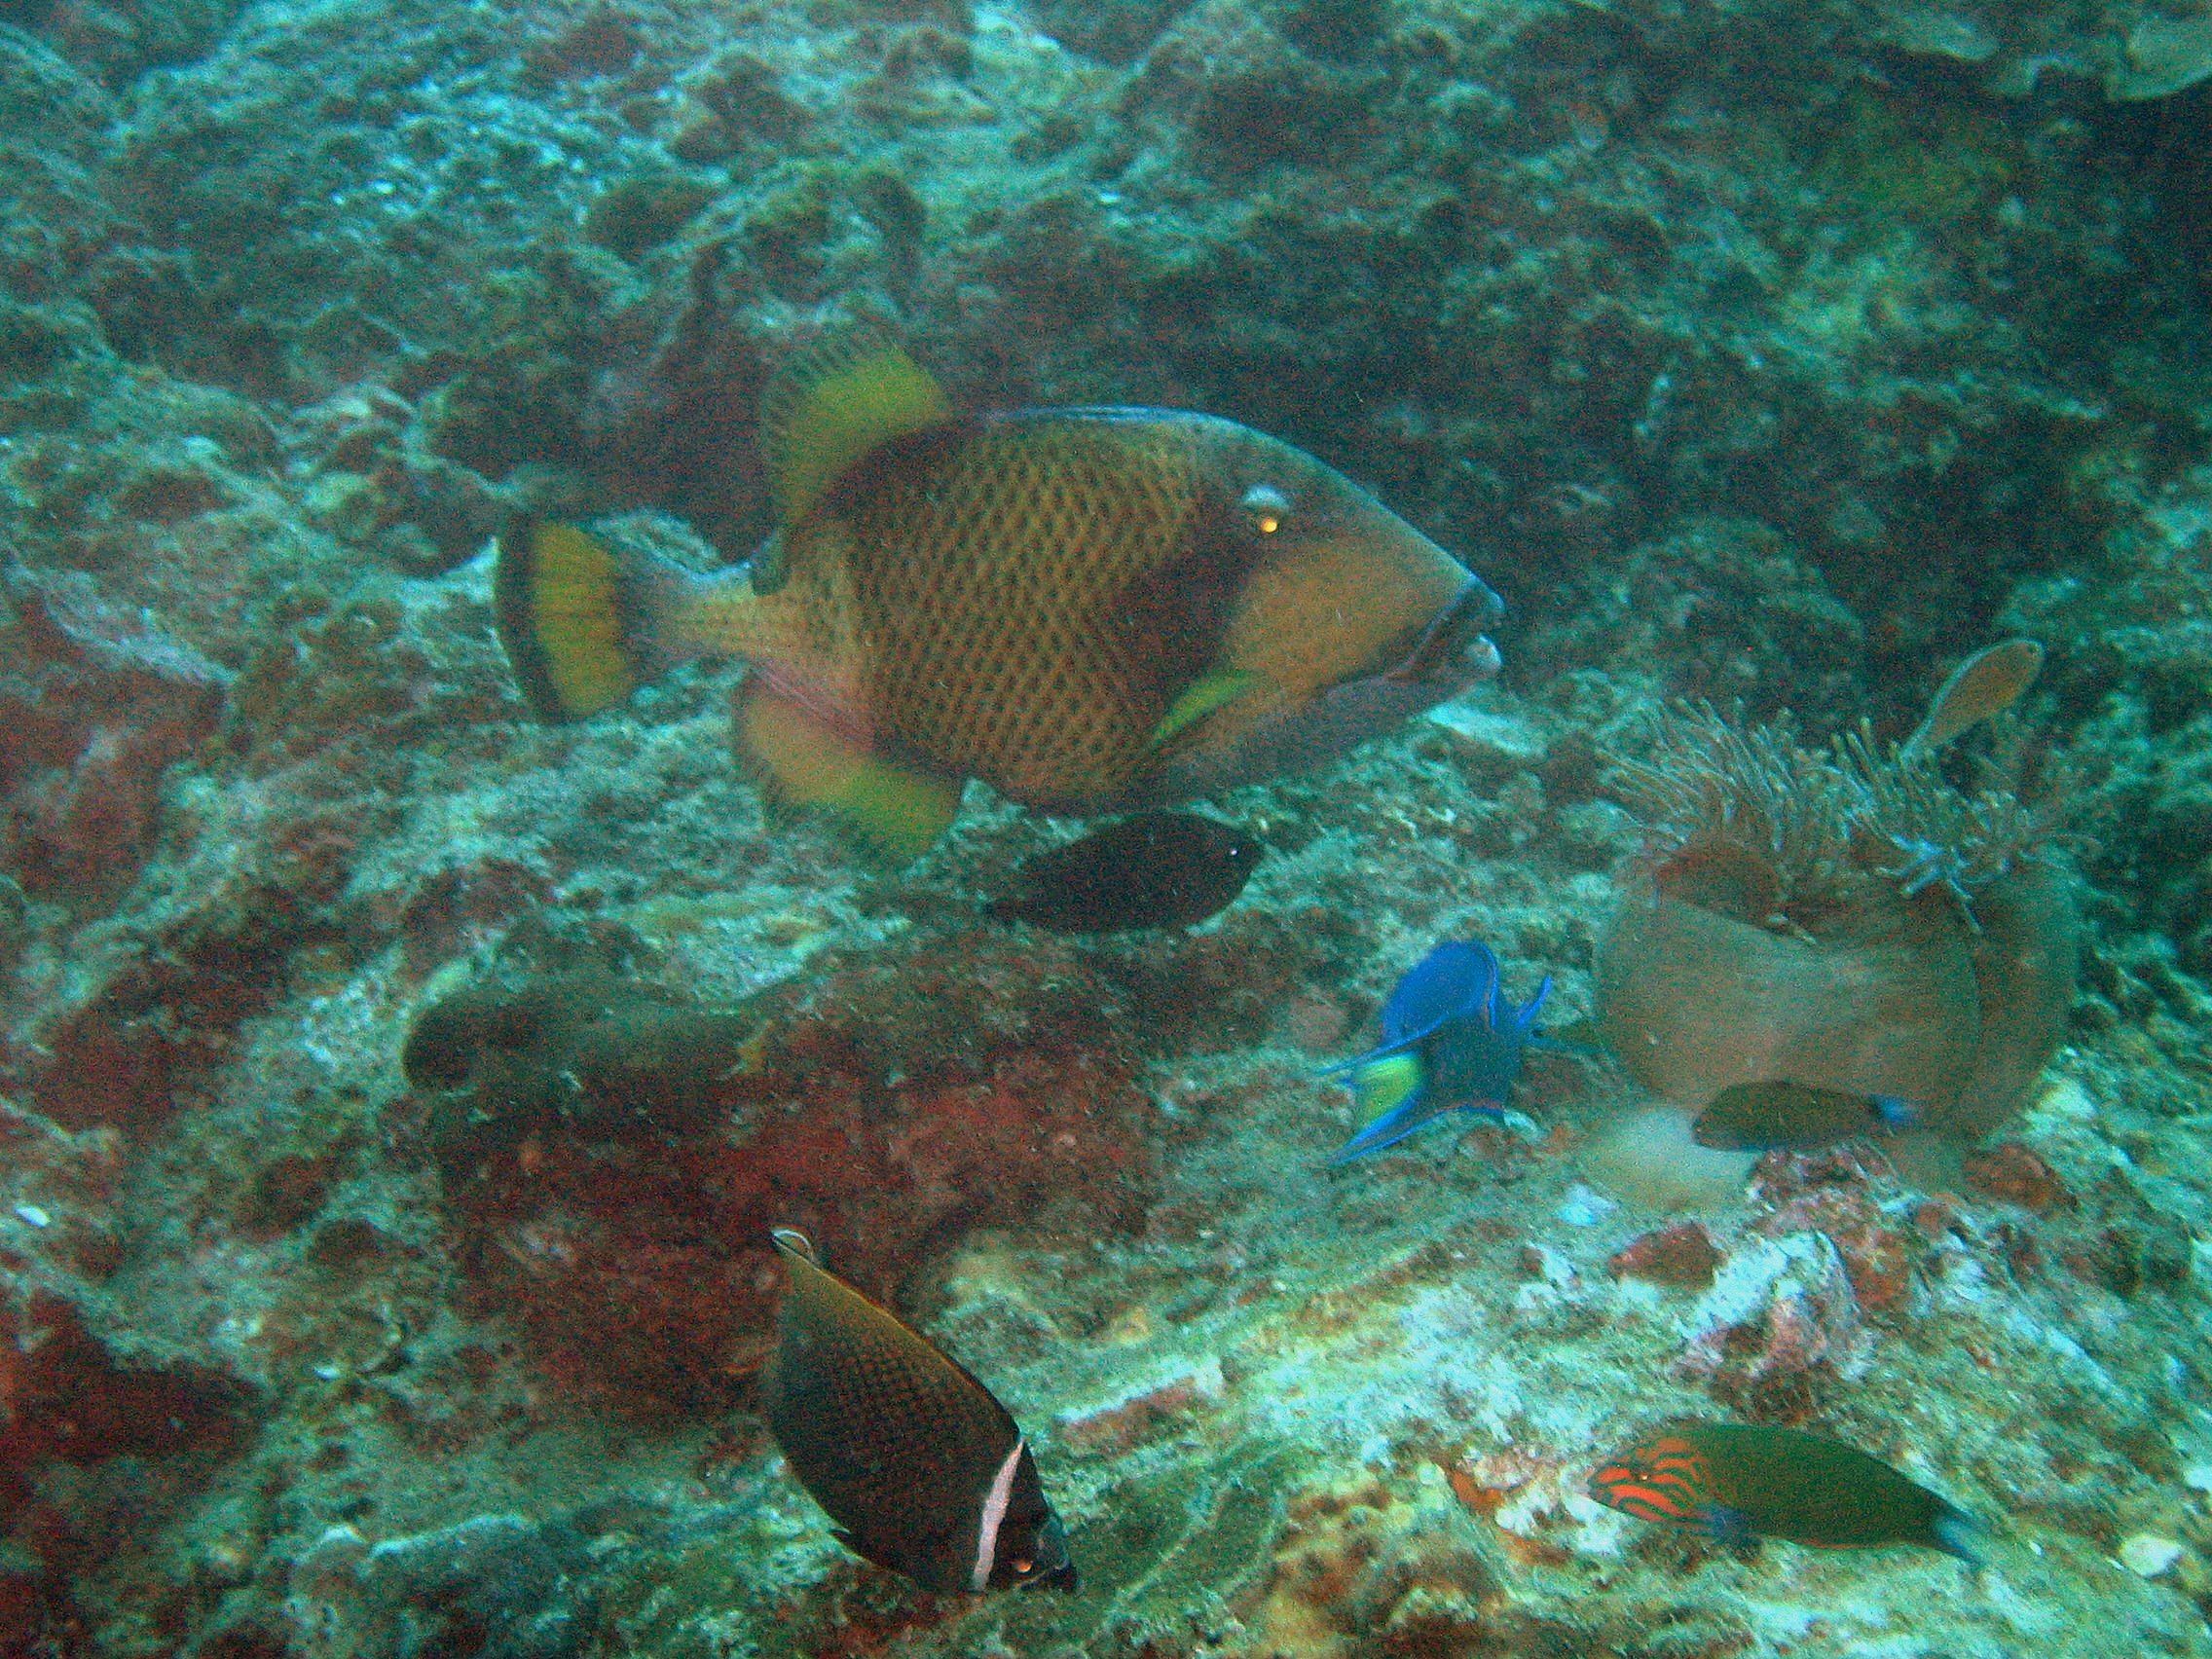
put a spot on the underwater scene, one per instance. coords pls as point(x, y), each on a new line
point(1105, 828)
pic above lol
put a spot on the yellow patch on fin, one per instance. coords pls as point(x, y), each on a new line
point(1384, 1085)
point(831, 406)
point(893, 809)
point(558, 597)
point(1205, 694)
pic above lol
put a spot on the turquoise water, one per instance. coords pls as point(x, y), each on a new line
point(396, 1088)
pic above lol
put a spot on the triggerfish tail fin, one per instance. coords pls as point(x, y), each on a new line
point(1393, 1091)
point(835, 403)
point(892, 812)
point(576, 617)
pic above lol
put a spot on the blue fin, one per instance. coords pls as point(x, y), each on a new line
point(1726, 1526)
point(1897, 1114)
point(1454, 979)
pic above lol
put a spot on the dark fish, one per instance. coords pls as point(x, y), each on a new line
point(1089, 609)
point(1157, 870)
point(1985, 685)
point(1796, 1117)
point(922, 1470)
point(1451, 1043)
point(1736, 1481)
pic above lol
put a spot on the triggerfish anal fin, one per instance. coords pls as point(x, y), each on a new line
point(834, 404)
point(566, 616)
point(918, 1464)
point(1451, 1043)
point(893, 811)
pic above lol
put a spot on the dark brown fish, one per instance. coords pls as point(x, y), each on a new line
point(923, 1471)
point(1157, 870)
point(1795, 1117)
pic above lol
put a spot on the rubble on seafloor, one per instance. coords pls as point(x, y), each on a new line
point(394, 1093)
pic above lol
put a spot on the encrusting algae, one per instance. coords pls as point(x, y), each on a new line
point(1841, 919)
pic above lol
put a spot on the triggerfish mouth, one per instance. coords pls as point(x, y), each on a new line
point(1091, 610)
point(922, 1469)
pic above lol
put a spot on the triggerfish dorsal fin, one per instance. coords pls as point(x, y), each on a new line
point(892, 812)
point(920, 1467)
point(566, 607)
point(1979, 688)
point(832, 405)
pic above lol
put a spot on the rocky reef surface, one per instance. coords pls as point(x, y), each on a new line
point(394, 1091)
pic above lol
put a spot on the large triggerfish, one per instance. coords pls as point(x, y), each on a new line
point(1091, 610)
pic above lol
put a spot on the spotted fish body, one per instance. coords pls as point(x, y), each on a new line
point(922, 1469)
point(1089, 609)
point(1736, 1481)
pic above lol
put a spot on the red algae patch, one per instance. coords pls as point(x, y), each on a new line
point(882, 1110)
point(1683, 1255)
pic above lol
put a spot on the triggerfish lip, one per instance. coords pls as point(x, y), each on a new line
point(1453, 650)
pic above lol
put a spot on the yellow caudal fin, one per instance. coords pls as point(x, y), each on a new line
point(571, 619)
point(833, 404)
point(895, 812)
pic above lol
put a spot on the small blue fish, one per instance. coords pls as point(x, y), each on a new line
point(1451, 1043)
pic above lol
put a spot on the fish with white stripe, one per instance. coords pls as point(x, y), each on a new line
point(921, 1468)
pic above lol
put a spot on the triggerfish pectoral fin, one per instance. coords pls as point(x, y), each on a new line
point(1451, 1043)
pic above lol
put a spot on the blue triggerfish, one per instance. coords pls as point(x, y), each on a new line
point(1092, 610)
point(1451, 1043)
point(922, 1469)
point(1737, 1481)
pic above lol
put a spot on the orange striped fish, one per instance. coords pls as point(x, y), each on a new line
point(1737, 1481)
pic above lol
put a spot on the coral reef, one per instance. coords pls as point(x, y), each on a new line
point(1765, 354)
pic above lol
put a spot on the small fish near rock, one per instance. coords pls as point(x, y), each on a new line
point(1795, 1117)
point(1980, 688)
point(1157, 870)
point(1738, 1481)
point(922, 1469)
point(1451, 1043)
